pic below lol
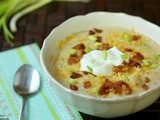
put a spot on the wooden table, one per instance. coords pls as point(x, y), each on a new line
point(36, 26)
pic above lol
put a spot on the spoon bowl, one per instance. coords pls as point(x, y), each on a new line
point(26, 82)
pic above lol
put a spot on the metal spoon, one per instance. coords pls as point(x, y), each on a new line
point(26, 82)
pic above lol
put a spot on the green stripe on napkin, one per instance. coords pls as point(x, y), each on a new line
point(45, 105)
point(21, 55)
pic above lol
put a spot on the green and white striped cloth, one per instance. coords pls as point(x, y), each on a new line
point(44, 105)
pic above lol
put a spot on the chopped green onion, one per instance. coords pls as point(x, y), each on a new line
point(146, 62)
point(157, 57)
point(95, 90)
point(126, 37)
point(124, 57)
point(72, 69)
point(93, 61)
point(89, 68)
point(125, 78)
point(72, 81)
point(105, 55)
point(154, 66)
point(72, 51)
point(88, 49)
point(92, 38)
point(96, 45)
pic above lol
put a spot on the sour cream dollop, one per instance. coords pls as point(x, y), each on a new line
point(101, 63)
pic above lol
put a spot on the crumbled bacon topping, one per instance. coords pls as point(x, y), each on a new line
point(138, 56)
point(94, 31)
point(133, 62)
point(137, 65)
point(128, 50)
point(97, 30)
point(145, 87)
point(87, 84)
point(118, 87)
point(136, 59)
point(104, 46)
point(106, 87)
point(136, 37)
point(99, 39)
point(121, 68)
point(73, 87)
point(146, 80)
point(91, 32)
point(75, 75)
point(79, 46)
point(73, 60)
point(121, 86)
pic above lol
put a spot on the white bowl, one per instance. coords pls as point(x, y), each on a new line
point(101, 107)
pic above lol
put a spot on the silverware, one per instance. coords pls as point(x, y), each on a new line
point(26, 82)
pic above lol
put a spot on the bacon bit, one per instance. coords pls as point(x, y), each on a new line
point(75, 75)
point(145, 87)
point(128, 50)
point(104, 46)
point(136, 37)
point(87, 84)
point(138, 56)
point(126, 89)
point(146, 80)
point(118, 87)
point(106, 87)
point(121, 86)
point(121, 68)
point(79, 46)
point(91, 32)
point(126, 66)
point(137, 65)
point(73, 87)
point(132, 62)
point(97, 30)
point(136, 59)
point(73, 60)
point(99, 39)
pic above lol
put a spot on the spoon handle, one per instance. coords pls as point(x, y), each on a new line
point(22, 113)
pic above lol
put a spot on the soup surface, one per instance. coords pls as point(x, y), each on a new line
point(107, 62)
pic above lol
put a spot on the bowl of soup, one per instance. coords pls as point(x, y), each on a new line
point(104, 64)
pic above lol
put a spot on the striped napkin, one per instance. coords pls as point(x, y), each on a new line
point(44, 105)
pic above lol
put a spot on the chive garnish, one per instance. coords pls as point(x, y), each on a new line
point(72, 81)
point(154, 66)
point(88, 49)
point(146, 62)
point(96, 45)
point(72, 52)
point(124, 57)
point(93, 61)
point(126, 37)
point(92, 38)
point(125, 78)
point(105, 55)
point(157, 57)
point(89, 68)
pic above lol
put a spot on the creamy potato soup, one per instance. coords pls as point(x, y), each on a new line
point(107, 62)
